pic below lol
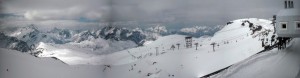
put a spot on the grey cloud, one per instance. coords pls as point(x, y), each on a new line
point(206, 12)
point(202, 12)
point(64, 14)
point(59, 10)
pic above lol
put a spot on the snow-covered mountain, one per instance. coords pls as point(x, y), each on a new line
point(123, 34)
point(159, 29)
point(195, 31)
point(233, 43)
point(111, 37)
point(61, 34)
point(29, 34)
point(13, 43)
point(198, 31)
point(32, 36)
point(116, 51)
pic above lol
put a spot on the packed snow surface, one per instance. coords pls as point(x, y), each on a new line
point(271, 64)
point(234, 43)
point(14, 64)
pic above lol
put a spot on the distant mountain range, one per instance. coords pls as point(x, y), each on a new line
point(28, 37)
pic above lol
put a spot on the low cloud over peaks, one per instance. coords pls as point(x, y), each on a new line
point(73, 13)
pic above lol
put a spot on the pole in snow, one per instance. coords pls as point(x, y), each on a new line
point(156, 51)
point(196, 45)
point(213, 44)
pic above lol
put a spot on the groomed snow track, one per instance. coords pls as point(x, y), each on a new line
point(218, 71)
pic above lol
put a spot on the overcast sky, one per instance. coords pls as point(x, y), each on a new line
point(183, 12)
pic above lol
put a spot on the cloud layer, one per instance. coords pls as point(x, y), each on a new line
point(73, 13)
point(204, 12)
point(41, 10)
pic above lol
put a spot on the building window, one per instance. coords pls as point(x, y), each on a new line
point(292, 4)
point(283, 25)
point(298, 24)
point(289, 4)
point(285, 4)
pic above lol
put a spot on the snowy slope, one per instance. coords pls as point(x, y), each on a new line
point(15, 64)
point(235, 43)
point(90, 52)
point(271, 64)
point(189, 63)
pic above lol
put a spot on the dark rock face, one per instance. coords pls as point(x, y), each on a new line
point(137, 37)
point(13, 43)
point(123, 34)
point(64, 33)
point(84, 36)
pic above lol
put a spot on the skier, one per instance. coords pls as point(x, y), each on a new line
point(279, 43)
point(272, 39)
point(173, 47)
point(285, 40)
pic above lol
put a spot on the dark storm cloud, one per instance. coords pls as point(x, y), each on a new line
point(207, 12)
point(202, 12)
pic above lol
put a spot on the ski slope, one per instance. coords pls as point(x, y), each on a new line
point(271, 64)
point(189, 63)
point(15, 64)
point(156, 59)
